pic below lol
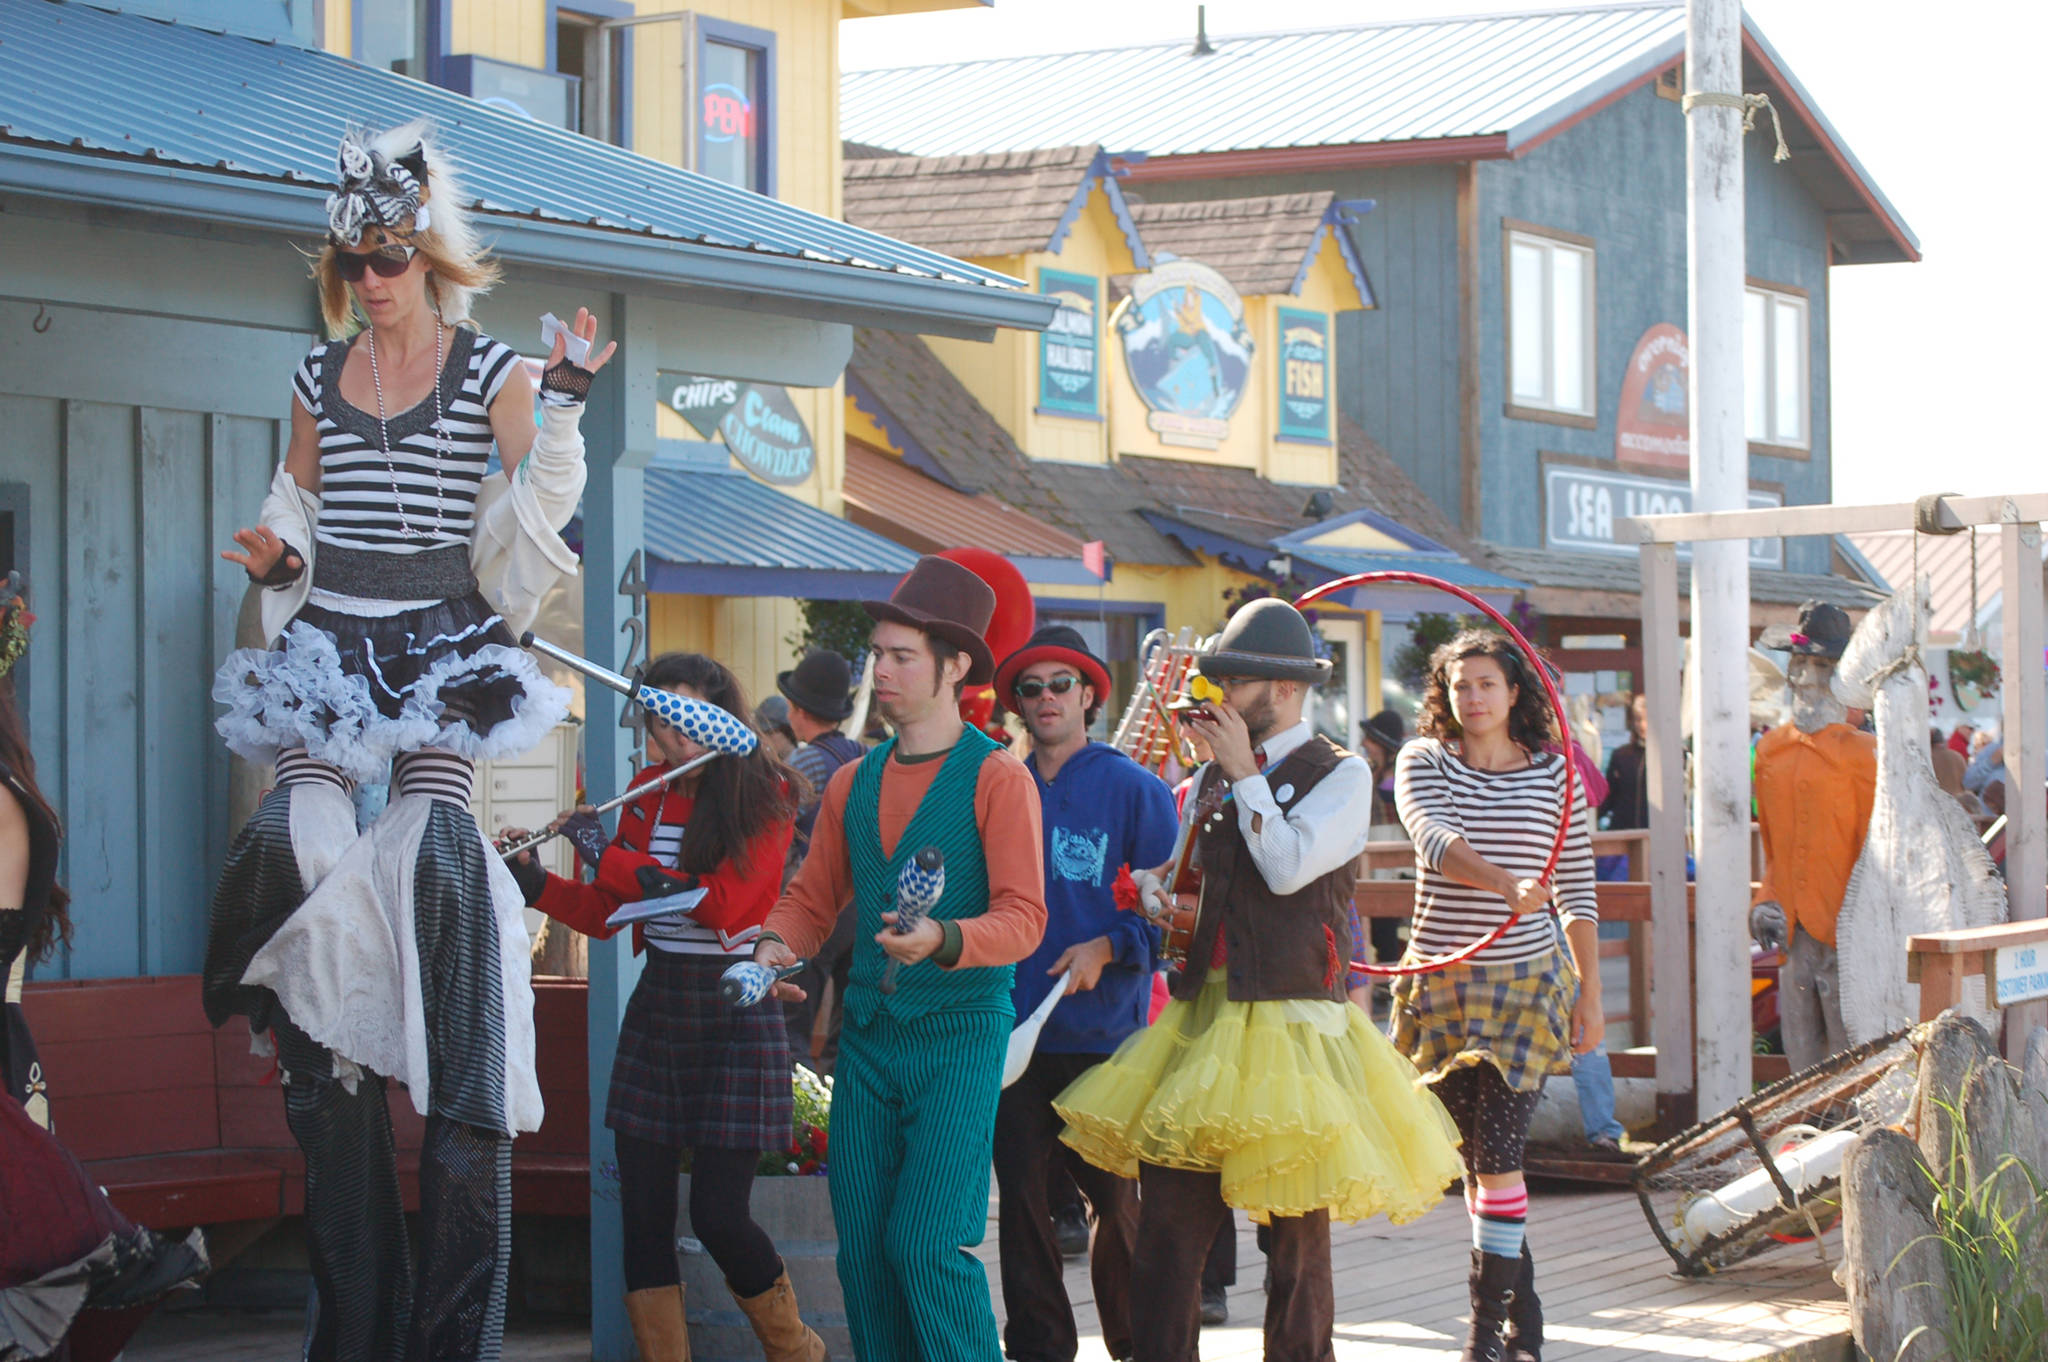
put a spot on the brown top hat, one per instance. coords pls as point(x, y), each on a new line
point(946, 601)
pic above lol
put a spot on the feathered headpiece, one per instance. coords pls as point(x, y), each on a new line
point(398, 181)
point(14, 622)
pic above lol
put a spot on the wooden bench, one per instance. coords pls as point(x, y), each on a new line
point(183, 1125)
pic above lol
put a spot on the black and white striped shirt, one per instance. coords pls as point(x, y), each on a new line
point(680, 935)
point(357, 508)
point(1510, 819)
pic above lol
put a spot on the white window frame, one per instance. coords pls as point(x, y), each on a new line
point(1772, 368)
point(1552, 244)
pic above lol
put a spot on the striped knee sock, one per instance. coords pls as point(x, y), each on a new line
point(438, 775)
point(296, 766)
point(1499, 1216)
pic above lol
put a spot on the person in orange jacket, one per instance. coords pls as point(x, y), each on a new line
point(692, 1072)
point(1816, 777)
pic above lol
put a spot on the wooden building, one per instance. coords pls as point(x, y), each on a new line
point(1524, 358)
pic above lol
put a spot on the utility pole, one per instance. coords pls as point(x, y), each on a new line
point(1720, 568)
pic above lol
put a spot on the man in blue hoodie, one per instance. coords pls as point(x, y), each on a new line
point(1102, 811)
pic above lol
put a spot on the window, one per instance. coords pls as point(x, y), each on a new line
point(600, 60)
point(1775, 363)
point(1550, 323)
point(392, 35)
point(733, 123)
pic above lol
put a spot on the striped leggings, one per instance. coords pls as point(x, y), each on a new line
point(913, 1125)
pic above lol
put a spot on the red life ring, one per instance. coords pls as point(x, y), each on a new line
point(1537, 666)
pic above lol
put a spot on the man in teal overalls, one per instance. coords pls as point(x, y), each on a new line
point(914, 1102)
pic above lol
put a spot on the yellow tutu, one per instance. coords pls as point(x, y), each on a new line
point(1299, 1105)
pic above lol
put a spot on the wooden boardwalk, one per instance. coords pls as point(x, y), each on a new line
point(1607, 1290)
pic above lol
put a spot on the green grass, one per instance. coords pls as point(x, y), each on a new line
point(1985, 1224)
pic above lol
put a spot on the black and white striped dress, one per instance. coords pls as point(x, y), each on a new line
point(394, 649)
point(1510, 819)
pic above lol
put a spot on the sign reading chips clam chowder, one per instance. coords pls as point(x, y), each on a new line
point(1068, 348)
point(1304, 375)
point(767, 434)
point(1188, 351)
point(1580, 506)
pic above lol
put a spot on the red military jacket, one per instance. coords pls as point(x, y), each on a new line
point(743, 889)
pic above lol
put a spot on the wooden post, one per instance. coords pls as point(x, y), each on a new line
point(1671, 1027)
point(2026, 759)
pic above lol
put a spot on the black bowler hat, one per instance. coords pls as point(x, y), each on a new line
point(1822, 631)
point(821, 684)
point(1267, 639)
point(1386, 729)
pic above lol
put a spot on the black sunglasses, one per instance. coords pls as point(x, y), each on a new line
point(1033, 688)
point(389, 262)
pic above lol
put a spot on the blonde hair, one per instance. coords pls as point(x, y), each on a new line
point(457, 268)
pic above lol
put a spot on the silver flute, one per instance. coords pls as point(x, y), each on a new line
point(534, 839)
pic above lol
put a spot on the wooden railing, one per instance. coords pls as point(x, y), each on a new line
point(1940, 961)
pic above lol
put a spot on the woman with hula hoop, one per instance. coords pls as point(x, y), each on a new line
point(1483, 798)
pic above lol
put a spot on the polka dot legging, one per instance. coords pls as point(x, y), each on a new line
point(1493, 1118)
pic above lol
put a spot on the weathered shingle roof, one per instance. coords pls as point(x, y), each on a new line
point(945, 433)
point(1010, 203)
point(1620, 573)
point(1261, 245)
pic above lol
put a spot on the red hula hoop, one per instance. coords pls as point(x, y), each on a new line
point(1564, 731)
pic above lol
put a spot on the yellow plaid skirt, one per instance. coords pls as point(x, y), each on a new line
point(1516, 1017)
point(1299, 1105)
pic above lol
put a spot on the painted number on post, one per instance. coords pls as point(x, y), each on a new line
point(2021, 973)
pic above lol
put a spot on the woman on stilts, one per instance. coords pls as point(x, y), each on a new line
point(1481, 797)
point(693, 1072)
point(398, 567)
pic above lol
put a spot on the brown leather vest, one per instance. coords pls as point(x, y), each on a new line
point(1279, 945)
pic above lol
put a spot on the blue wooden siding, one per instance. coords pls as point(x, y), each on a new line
point(1619, 178)
point(129, 504)
point(1397, 365)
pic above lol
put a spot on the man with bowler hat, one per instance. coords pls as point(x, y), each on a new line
point(920, 1068)
point(1816, 778)
point(1261, 1087)
point(819, 693)
point(1102, 812)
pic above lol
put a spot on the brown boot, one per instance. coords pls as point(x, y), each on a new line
point(784, 1337)
point(658, 1327)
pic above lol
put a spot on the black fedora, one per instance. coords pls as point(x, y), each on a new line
point(821, 684)
point(1384, 728)
point(1822, 631)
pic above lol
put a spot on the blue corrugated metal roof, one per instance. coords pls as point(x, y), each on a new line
point(1380, 82)
point(1514, 78)
point(189, 119)
point(718, 532)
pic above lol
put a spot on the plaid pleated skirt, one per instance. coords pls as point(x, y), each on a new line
point(694, 1072)
point(1517, 1017)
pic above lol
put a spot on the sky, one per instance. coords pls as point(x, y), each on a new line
point(1924, 95)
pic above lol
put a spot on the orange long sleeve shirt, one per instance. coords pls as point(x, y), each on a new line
point(1813, 798)
point(1006, 810)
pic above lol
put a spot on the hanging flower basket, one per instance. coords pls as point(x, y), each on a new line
point(1973, 675)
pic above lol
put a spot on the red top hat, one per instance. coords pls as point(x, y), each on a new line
point(1053, 643)
point(946, 601)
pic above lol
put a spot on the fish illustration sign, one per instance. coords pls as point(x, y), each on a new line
point(1651, 424)
point(1067, 350)
point(1304, 375)
point(1188, 351)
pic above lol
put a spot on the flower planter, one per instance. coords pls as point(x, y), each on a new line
point(797, 1214)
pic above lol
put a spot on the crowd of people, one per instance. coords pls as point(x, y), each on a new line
point(396, 564)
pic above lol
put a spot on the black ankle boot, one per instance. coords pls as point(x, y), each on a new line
point(1493, 1288)
point(1525, 1315)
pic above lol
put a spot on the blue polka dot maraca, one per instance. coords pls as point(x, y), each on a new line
point(919, 886)
point(747, 983)
point(704, 724)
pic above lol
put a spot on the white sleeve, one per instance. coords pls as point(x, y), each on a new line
point(1324, 831)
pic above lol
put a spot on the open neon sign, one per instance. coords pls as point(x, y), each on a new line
point(728, 115)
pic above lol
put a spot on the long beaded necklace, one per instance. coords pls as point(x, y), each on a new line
point(405, 526)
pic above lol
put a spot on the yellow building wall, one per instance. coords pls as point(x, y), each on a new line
point(746, 633)
point(1094, 246)
point(338, 37)
point(510, 30)
point(994, 372)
